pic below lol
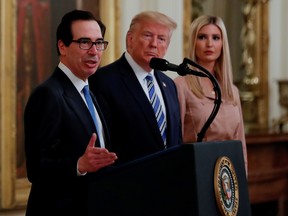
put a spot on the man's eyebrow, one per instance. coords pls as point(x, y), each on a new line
point(85, 38)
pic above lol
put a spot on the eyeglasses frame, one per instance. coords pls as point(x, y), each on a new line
point(79, 41)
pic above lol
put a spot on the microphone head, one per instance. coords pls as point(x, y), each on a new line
point(159, 64)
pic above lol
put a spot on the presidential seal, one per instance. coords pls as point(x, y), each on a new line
point(226, 187)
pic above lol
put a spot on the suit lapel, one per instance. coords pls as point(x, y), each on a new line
point(130, 80)
point(164, 90)
point(101, 116)
point(76, 103)
point(169, 101)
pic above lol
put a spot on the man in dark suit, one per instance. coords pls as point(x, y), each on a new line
point(63, 145)
point(122, 91)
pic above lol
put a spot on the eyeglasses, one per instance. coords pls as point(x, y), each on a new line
point(86, 44)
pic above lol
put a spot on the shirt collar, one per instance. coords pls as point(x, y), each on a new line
point(77, 82)
point(138, 70)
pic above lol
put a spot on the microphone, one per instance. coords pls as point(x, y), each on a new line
point(163, 65)
point(182, 69)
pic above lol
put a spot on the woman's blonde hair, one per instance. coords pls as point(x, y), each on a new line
point(223, 67)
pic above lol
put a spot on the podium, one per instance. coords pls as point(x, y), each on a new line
point(177, 181)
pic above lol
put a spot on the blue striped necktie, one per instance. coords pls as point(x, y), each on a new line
point(155, 102)
point(92, 112)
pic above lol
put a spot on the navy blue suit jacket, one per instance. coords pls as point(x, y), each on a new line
point(129, 115)
point(58, 127)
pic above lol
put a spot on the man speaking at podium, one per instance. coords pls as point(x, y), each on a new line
point(61, 146)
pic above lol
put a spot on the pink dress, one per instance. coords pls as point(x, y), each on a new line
point(227, 125)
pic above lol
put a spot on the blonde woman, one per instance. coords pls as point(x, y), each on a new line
point(208, 46)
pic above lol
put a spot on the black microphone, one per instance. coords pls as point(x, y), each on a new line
point(182, 69)
point(163, 65)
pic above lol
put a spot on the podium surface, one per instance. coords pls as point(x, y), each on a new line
point(176, 181)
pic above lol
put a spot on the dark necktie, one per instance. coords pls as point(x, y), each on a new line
point(155, 102)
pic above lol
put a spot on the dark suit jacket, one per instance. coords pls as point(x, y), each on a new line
point(58, 127)
point(129, 115)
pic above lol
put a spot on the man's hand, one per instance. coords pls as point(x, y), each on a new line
point(95, 158)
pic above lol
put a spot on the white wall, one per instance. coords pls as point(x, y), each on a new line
point(278, 53)
point(172, 8)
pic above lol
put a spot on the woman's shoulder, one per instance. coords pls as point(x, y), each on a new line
point(180, 80)
point(235, 89)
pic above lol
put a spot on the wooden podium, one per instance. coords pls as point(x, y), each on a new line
point(177, 181)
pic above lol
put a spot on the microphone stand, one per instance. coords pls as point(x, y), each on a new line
point(184, 70)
